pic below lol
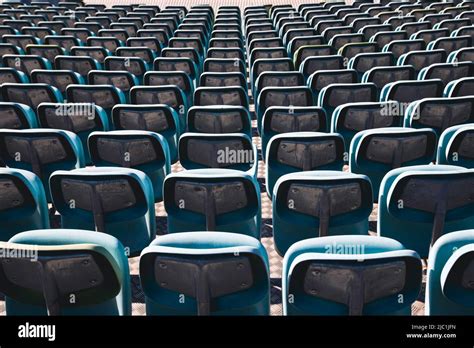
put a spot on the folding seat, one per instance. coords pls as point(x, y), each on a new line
point(185, 52)
point(375, 152)
point(436, 18)
point(323, 78)
point(350, 275)
point(337, 94)
point(79, 64)
point(158, 118)
point(301, 151)
point(142, 150)
point(130, 28)
point(150, 42)
point(25, 63)
point(64, 41)
point(116, 201)
point(340, 40)
point(219, 119)
point(41, 151)
point(33, 18)
point(385, 37)
point(447, 72)
point(10, 49)
point(455, 146)
point(228, 53)
point(177, 64)
point(430, 35)
point(212, 199)
point(429, 200)
point(459, 88)
point(264, 42)
point(105, 96)
point(440, 113)
point(363, 62)
point(226, 34)
point(260, 31)
point(450, 44)
point(331, 32)
point(406, 92)
point(412, 28)
point(234, 285)
point(360, 23)
point(325, 23)
point(193, 32)
point(226, 150)
point(313, 64)
point(56, 78)
point(98, 53)
point(30, 94)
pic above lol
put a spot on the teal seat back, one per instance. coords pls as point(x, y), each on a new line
point(302, 151)
point(123, 80)
point(214, 200)
point(41, 151)
point(134, 65)
point(31, 94)
point(406, 92)
point(13, 75)
point(79, 64)
point(456, 146)
point(375, 152)
point(116, 201)
point(323, 78)
point(107, 270)
point(24, 205)
point(230, 272)
point(459, 88)
point(57, 78)
point(141, 150)
point(363, 62)
point(350, 275)
point(383, 75)
point(449, 275)
point(447, 72)
point(17, 116)
point(418, 204)
point(178, 78)
point(422, 59)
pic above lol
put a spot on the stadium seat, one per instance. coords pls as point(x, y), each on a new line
point(17, 116)
point(460, 88)
point(115, 201)
point(449, 275)
point(141, 150)
point(90, 265)
point(375, 152)
point(447, 72)
point(325, 62)
point(79, 64)
point(323, 78)
point(419, 204)
point(450, 44)
point(56, 78)
point(213, 200)
point(455, 146)
point(365, 61)
point(319, 204)
point(350, 275)
point(410, 91)
point(228, 274)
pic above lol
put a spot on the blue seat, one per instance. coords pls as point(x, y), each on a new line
point(178, 78)
point(268, 64)
point(226, 150)
point(134, 65)
point(24, 205)
point(383, 75)
point(449, 275)
point(219, 119)
point(121, 79)
point(230, 271)
point(79, 64)
point(115, 201)
point(447, 72)
point(375, 152)
point(465, 54)
point(64, 41)
point(230, 95)
point(222, 79)
point(365, 61)
point(170, 95)
point(350, 275)
point(110, 43)
point(323, 78)
point(281, 96)
point(96, 52)
point(302, 151)
point(430, 34)
point(17, 116)
point(25, 63)
point(157, 118)
point(450, 44)
point(350, 50)
point(266, 53)
point(37, 287)
point(460, 88)
point(31, 94)
point(57, 78)
point(277, 79)
point(141, 150)
point(41, 151)
point(318, 204)
point(313, 64)
point(224, 65)
point(418, 204)
point(455, 146)
point(307, 51)
point(106, 96)
point(409, 91)
point(214, 200)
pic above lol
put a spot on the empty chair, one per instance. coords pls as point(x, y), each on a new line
point(25, 63)
point(219, 119)
point(323, 78)
point(459, 88)
point(350, 275)
point(80, 64)
point(222, 79)
point(422, 59)
point(301, 41)
point(213, 200)
point(56, 78)
point(12, 75)
point(232, 95)
point(23, 203)
point(17, 116)
point(408, 91)
point(383, 75)
point(455, 146)
point(49, 52)
point(462, 55)
point(96, 52)
point(269, 64)
point(228, 274)
point(281, 96)
point(447, 72)
point(319, 204)
point(226, 150)
point(121, 79)
point(141, 150)
point(304, 52)
point(418, 204)
point(337, 94)
point(178, 78)
point(176, 64)
point(157, 118)
point(90, 265)
point(365, 61)
point(450, 44)
point(351, 50)
point(439, 113)
point(115, 201)
point(449, 275)
point(302, 151)
point(430, 35)
point(277, 79)
point(375, 152)
point(400, 47)
point(224, 65)
point(327, 62)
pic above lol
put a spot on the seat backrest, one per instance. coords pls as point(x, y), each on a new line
point(17, 116)
point(455, 146)
point(410, 91)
